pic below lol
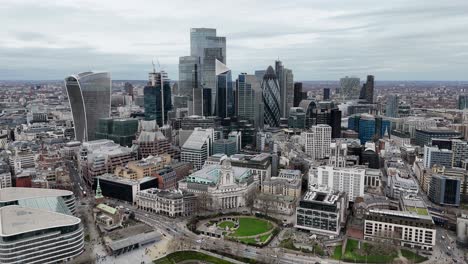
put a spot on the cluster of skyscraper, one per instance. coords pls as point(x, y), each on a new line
point(206, 81)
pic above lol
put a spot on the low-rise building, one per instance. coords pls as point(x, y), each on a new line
point(5, 180)
point(221, 186)
point(103, 156)
point(462, 229)
point(444, 190)
point(322, 210)
point(172, 203)
point(406, 228)
point(373, 178)
point(108, 217)
point(400, 183)
point(124, 189)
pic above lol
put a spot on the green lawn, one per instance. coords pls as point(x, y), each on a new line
point(264, 238)
point(419, 211)
point(410, 255)
point(181, 256)
point(352, 254)
point(229, 224)
point(248, 240)
point(337, 253)
point(252, 226)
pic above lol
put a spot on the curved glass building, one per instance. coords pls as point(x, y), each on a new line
point(271, 98)
point(39, 226)
point(89, 94)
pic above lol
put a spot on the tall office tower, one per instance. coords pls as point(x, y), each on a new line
point(338, 153)
point(286, 84)
point(335, 123)
point(462, 101)
point(350, 88)
point(391, 109)
point(224, 93)
point(298, 94)
point(289, 90)
point(128, 87)
point(367, 91)
point(249, 99)
point(326, 94)
point(259, 74)
point(201, 102)
point(157, 97)
point(89, 94)
point(271, 98)
point(208, 47)
point(317, 141)
point(189, 74)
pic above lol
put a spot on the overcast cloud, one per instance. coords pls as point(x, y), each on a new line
point(318, 40)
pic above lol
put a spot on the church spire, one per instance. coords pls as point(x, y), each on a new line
point(98, 191)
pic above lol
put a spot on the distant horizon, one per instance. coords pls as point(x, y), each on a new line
point(142, 80)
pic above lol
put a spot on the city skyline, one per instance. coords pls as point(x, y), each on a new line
point(319, 41)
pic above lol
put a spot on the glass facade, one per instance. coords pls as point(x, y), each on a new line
point(225, 96)
point(121, 131)
point(350, 88)
point(462, 101)
point(189, 74)
point(153, 100)
point(271, 98)
point(205, 45)
point(391, 109)
point(249, 99)
point(89, 95)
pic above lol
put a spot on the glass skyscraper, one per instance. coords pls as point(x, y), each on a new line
point(89, 94)
point(350, 88)
point(391, 109)
point(271, 98)
point(205, 45)
point(462, 101)
point(189, 74)
point(249, 99)
point(224, 93)
point(157, 97)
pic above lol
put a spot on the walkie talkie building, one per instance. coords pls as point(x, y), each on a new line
point(89, 94)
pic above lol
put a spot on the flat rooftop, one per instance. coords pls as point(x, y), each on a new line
point(18, 193)
point(16, 220)
point(322, 195)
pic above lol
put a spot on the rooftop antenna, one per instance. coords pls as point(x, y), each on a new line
point(154, 70)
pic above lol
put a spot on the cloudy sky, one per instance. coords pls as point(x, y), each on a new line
point(317, 39)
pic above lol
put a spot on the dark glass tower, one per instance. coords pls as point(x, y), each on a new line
point(271, 98)
point(326, 94)
point(367, 90)
point(89, 94)
point(225, 96)
point(335, 123)
point(157, 97)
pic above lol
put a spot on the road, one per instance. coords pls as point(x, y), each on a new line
point(76, 179)
point(188, 240)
